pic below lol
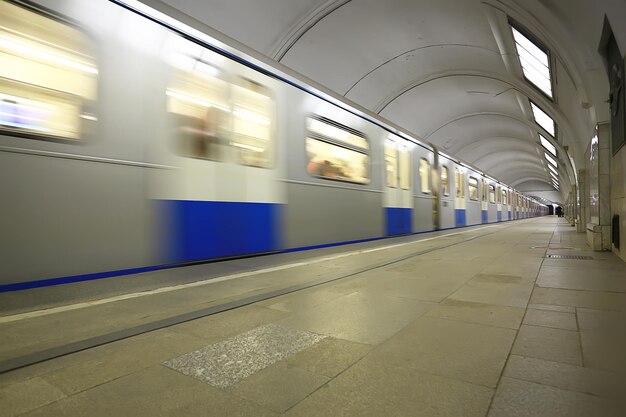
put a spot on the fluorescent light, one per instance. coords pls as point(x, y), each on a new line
point(543, 119)
point(534, 61)
point(551, 160)
point(546, 144)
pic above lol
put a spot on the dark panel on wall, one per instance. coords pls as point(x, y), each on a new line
point(615, 63)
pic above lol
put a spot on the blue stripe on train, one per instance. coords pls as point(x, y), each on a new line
point(197, 230)
point(459, 217)
point(509, 215)
point(499, 216)
point(485, 216)
point(398, 221)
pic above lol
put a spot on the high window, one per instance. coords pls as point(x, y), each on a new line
point(546, 144)
point(534, 59)
point(543, 120)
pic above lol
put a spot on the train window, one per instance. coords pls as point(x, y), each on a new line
point(48, 76)
point(459, 183)
point(498, 195)
point(252, 110)
point(405, 168)
point(425, 176)
point(473, 188)
point(391, 163)
point(200, 104)
point(336, 152)
point(445, 186)
point(504, 197)
point(220, 120)
point(492, 194)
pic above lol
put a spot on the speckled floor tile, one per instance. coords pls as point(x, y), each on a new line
point(227, 362)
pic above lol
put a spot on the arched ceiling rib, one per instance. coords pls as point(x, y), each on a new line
point(445, 70)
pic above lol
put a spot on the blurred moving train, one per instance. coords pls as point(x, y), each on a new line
point(130, 142)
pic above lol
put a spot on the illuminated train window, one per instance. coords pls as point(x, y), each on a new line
point(405, 167)
point(216, 116)
point(504, 197)
point(445, 186)
point(484, 191)
point(459, 183)
point(336, 152)
point(473, 188)
point(48, 76)
point(252, 110)
point(425, 175)
point(397, 164)
point(391, 163)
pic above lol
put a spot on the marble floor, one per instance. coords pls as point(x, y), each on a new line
point(476, 322)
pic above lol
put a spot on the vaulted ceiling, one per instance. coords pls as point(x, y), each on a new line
point(445, 70)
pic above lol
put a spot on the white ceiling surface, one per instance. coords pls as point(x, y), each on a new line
point(445, 70)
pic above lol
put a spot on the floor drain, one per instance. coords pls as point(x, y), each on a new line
point(583, 258)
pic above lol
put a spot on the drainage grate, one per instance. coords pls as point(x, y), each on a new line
point(583, 258)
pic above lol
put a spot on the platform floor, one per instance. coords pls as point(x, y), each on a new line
point(474, 322)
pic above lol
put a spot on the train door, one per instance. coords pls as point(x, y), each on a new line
point(446, 194)
point(484, 207)
point(397, 201)
point(509, 200)
point(224, 198)
point(460, 205)
point(423, 219)
point(499, 202)
point(505, 204)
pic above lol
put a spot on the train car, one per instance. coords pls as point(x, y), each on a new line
point(129, 143)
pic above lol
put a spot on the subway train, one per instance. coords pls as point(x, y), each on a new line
point(130, 141)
